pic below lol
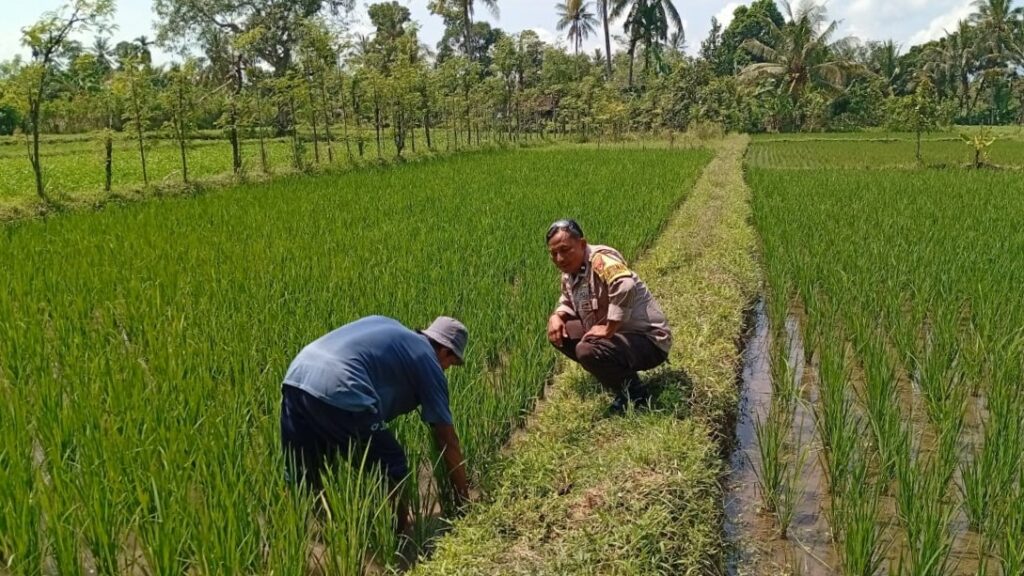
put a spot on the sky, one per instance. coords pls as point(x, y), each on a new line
point(908, 22)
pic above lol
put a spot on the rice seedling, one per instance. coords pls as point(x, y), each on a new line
point(911, 270)
point(862, 541)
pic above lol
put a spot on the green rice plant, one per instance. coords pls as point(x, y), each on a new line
point(863, 545)
point(353, 537)
point(62, 527)
point(881, 400)
point(791, 492)
point(925, 511)
point(990, 471)
point(772, 434)
point(1011, 521)
point(163, 525)
point(290, 522)
point(22, 540)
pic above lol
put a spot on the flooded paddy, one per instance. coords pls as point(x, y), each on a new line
point(809, 545)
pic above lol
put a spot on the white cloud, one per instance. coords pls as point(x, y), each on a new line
point(943, 23)
point(549, 37)
point(724, 15)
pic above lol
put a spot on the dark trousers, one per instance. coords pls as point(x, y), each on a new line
point(613, 361)
point(315, 434)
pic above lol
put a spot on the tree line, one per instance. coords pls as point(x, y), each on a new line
point(260, 69)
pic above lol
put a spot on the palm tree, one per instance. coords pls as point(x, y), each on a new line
point(143, 47)
point(677, 41)
point(603, 6)
point(103, 52)
point(952, 62)
point(885, 62)
point(648, 23)
point(576, 16)
point(999, 20)
point(804, 54)
point(467, 20)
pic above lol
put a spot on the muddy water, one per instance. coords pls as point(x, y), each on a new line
point(754, 535)
point(808, 548)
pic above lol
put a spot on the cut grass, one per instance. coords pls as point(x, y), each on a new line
point(581, 494)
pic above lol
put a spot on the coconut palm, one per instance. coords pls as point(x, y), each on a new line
point(677, 41)
point(103, 52)
point(603, 6)
point(885, 62)
point(999, 21)
point(648, 23)
point(467, 19)
point(803, 55)
point(575, 16)
point(952, 61)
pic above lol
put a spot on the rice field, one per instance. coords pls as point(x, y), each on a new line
point(142, 348)
point(74, 166)
point(887, 151)
point(890, 440)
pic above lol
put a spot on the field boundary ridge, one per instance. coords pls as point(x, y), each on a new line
point(577, 492)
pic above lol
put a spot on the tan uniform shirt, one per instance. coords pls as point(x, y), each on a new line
point(605, 289)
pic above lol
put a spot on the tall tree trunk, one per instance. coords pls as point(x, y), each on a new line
point(297, 160)
point(181, 131)
point(137, 111)
point(312, 121)
point(328, 116)
point(236, 146)
point(344, 132)
point(108, 160)
point(469, 28)
point(260, 131)
point(607, 40)
point(377, 121)
point(359, 123)
point(426, 127)
point(632, 60)
point(35, 109)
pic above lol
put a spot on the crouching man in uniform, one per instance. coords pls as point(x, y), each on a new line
point(606, 319)
point(341, 391)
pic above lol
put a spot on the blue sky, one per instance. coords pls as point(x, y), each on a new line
point(906, 21)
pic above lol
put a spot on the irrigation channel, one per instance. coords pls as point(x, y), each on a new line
point(757, 546)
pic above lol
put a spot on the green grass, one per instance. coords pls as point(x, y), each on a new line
point(579, 493)
point(142, 346)
point(915, 274)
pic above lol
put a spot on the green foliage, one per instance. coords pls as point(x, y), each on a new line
point(749, 22)
point(10, 119)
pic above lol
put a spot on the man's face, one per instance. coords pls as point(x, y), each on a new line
point(567, 252)
point(447, 358)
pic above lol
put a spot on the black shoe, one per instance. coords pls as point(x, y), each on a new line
point(618, 405)
point(634, 393)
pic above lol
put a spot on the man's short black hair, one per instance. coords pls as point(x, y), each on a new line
point(568, 225)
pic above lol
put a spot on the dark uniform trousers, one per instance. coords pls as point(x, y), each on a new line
point(613, 361)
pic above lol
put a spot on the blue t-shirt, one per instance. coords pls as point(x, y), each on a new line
point(375, 365)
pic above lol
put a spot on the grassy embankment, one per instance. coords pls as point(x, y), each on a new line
point(579, 493)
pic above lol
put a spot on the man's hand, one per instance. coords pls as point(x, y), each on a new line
point(602, 331)
point(556, 330)
point(448, 443)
